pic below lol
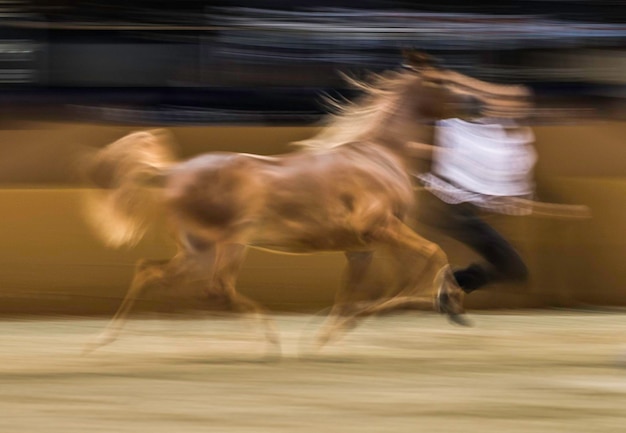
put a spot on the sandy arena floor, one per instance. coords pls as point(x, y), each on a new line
point(524, 372)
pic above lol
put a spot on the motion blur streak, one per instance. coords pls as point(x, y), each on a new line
point(544, 355)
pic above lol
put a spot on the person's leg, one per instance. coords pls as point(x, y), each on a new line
point(502, 262)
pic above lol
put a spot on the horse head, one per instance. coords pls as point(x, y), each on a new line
point(458, 92)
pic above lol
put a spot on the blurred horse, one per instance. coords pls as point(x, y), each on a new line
point(346, 189)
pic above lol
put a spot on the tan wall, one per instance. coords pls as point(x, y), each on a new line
point(50, 262)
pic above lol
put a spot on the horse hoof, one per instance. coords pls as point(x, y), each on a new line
point(96, 343)
point(273, 352)
point(89, 348)
point(460, 319)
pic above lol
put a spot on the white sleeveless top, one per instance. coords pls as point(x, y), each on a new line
point(473, 162)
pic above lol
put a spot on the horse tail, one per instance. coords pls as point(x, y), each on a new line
point(127, 175)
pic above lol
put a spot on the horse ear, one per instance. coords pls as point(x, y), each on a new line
point(418, 59)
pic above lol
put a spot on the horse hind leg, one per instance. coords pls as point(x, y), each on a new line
point(148, 274)
point(228, 261)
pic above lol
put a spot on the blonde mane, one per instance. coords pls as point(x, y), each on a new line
point(356, 121)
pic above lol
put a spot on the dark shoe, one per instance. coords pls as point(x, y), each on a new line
point(471, 278)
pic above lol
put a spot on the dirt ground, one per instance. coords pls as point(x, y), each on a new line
point(555, 371)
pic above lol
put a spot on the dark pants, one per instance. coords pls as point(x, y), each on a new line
point(461, 222)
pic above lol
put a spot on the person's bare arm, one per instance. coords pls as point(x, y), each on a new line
point(420, 150)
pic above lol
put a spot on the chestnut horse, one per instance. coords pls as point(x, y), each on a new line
point(346, 189)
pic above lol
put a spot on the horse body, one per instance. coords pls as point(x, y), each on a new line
point(347, 190)
point(298, 203)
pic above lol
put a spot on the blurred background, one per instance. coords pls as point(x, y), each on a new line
point(252, 61)
point(247, 76)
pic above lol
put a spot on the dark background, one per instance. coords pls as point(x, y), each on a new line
point(265, 62)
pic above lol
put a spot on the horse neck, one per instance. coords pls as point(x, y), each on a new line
point(400, 128)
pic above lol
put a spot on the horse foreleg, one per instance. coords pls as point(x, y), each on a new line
point(341, 324)
point(228, 261)
point(147, 274)
point(449, 296)
point(412, 301)
point(336, 324)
